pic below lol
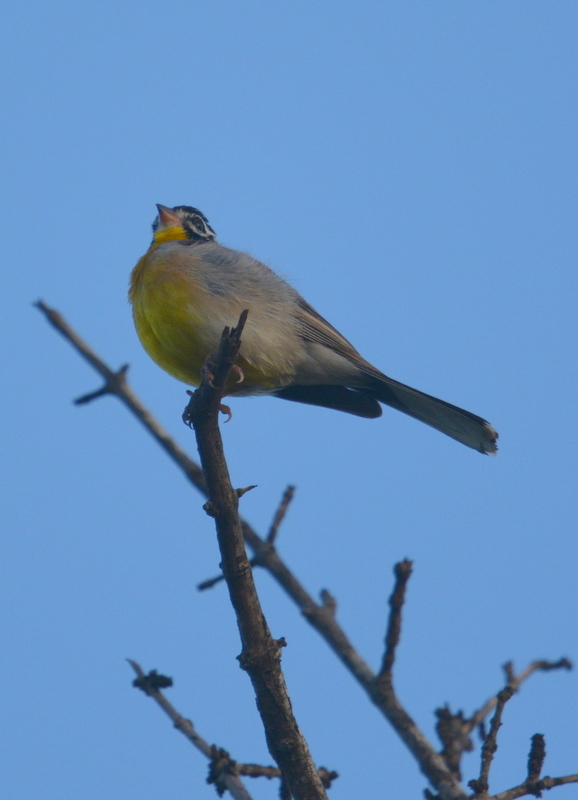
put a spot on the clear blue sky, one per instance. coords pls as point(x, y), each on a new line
point(411, 167)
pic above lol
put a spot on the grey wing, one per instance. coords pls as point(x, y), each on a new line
point(315, 329)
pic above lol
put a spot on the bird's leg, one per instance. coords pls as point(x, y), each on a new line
point(187, 414)
point(207, 373)
point(236, 370)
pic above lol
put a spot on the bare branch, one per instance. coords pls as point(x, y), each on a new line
point(515, 681)
point(260, 655)
point(454, 729)
point(536, 757)
point(320, 616)
point(150, 685)
point(222, 763)
point(535, 788)
point(273, 530)
point(402, 572)
point(116, 384)
point(280, 513)
point(533, 784)
point(480, 786)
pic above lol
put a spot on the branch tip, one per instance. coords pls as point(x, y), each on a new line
point(536, 757)
point(402, 572)
point(286, 499)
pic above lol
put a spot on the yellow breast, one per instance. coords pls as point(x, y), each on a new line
point(174, 320)
point(165, 309)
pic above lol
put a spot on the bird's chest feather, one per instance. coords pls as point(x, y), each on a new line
point(169, 307)
point(181, 305)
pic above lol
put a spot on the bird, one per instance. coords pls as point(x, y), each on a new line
point(187, 288)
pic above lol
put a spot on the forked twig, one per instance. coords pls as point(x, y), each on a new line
point(272, 534)
point(151, 685)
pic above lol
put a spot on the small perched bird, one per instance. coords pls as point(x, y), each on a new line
point(188, 287)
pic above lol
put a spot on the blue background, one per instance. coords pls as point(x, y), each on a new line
point(411, 168)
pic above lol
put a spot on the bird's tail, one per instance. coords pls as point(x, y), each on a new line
point(462, 425)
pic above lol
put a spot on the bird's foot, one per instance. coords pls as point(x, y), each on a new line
point(187, 419)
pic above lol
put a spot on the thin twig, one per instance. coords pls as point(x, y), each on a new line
point(210, 582)
point(454, 730)
point(480, 786)
point(273, 530)
point(536, 757)
point(150, 687)
point(533, 784)
point(402, 572)
point(535, 788)
point(117, 385)
point(515, 681)
point(280, 514)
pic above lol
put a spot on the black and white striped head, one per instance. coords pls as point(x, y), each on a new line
point(191, 223)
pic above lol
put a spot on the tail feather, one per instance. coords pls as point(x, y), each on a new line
point(467, 428)
point(361, 400)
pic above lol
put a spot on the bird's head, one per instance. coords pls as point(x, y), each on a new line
point(181, 222)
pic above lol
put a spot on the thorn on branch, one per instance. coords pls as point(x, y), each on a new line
point(327, 776)
point(249, 660)
point(241, 492)
point(328, 601)
point(209, 509)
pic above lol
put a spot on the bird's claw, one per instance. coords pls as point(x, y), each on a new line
point(226, 410)
point(236, 370)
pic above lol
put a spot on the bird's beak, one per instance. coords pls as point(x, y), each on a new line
point(168, 218)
